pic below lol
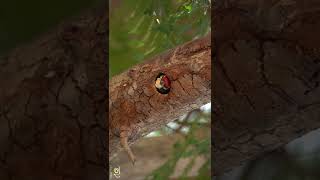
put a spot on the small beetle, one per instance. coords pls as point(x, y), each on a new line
point(163, 83)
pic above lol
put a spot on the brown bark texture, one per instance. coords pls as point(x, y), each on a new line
point(136, 107)
point(53, 100)
point(266, 77)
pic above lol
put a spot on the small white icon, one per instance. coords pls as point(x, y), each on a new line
point(116, 172)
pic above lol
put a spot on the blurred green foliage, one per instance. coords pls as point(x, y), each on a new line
point(20, 21)
point(191, 146)
point(141, 29)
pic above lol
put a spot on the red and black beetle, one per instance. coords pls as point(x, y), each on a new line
point(163, 83)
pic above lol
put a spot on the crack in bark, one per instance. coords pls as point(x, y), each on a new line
point(250, 102)
point(226, 76)
point(275, 88)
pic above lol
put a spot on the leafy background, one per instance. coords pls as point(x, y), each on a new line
point(141, 29)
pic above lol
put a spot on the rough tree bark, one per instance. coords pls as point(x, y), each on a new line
point(266, 77)
point(136, 107)
point(53, 100)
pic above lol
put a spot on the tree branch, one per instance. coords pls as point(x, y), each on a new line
point(266, 77)
point(52, 103)
point(136, 107)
